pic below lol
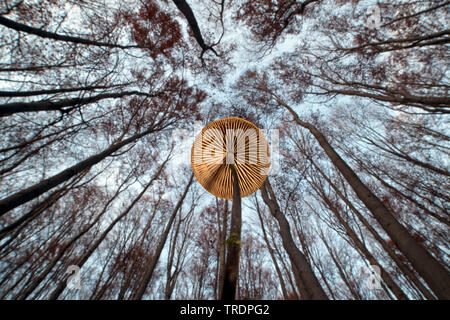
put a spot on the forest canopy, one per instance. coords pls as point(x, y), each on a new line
point(100, 101)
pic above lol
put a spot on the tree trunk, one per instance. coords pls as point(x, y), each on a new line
point(403, 268)
point(149, 273)
point(311, 286)
point(361, 248)
point(82, 260)
point(19, 107)
point(426, 265)
point(233, 243)
point(52, 91)
point(38, 189)
point(50, 35)
point(222, 248)
point(272, 255)
point(433, 214)
point(342, 273)
point(186, 10)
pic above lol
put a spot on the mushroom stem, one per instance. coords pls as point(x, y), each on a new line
point(233, 243)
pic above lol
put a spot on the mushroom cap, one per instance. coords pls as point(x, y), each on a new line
point(230, 141)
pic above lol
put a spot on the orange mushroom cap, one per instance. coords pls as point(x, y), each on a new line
point(225, 142)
